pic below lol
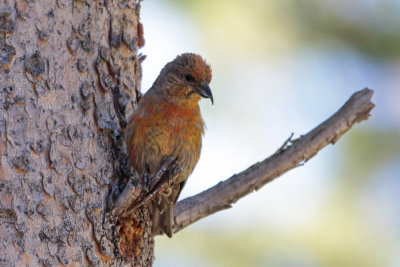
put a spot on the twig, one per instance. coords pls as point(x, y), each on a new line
point(130, 194)
point(137, 193)
point(224, 194)
point(285, 144)
point(159, 187)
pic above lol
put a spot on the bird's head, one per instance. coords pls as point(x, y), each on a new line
point(185, 80)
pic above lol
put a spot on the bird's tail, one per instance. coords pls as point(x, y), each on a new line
point(162, 219)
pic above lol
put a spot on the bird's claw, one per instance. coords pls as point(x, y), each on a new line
point(147, 188)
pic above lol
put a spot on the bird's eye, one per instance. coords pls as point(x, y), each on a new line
point(189, 78)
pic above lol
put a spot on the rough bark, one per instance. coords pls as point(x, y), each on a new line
point(70, 76)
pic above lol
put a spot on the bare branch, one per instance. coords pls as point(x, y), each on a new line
point(224, 194)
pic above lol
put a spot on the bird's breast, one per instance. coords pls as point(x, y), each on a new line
point(166, 130)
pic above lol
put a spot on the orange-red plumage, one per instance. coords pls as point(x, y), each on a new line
point(168, 122)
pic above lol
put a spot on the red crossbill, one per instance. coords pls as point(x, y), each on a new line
point(168, 122)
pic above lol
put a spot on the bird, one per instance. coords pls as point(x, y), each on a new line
point(168, 123)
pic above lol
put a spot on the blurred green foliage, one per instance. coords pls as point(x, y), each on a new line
point(369, 27)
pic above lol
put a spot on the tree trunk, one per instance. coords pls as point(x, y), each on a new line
point(70, 77)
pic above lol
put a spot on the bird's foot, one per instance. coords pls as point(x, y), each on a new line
point(166, 164)
point(163, 179)
point(159, 184)
point(140, 192)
